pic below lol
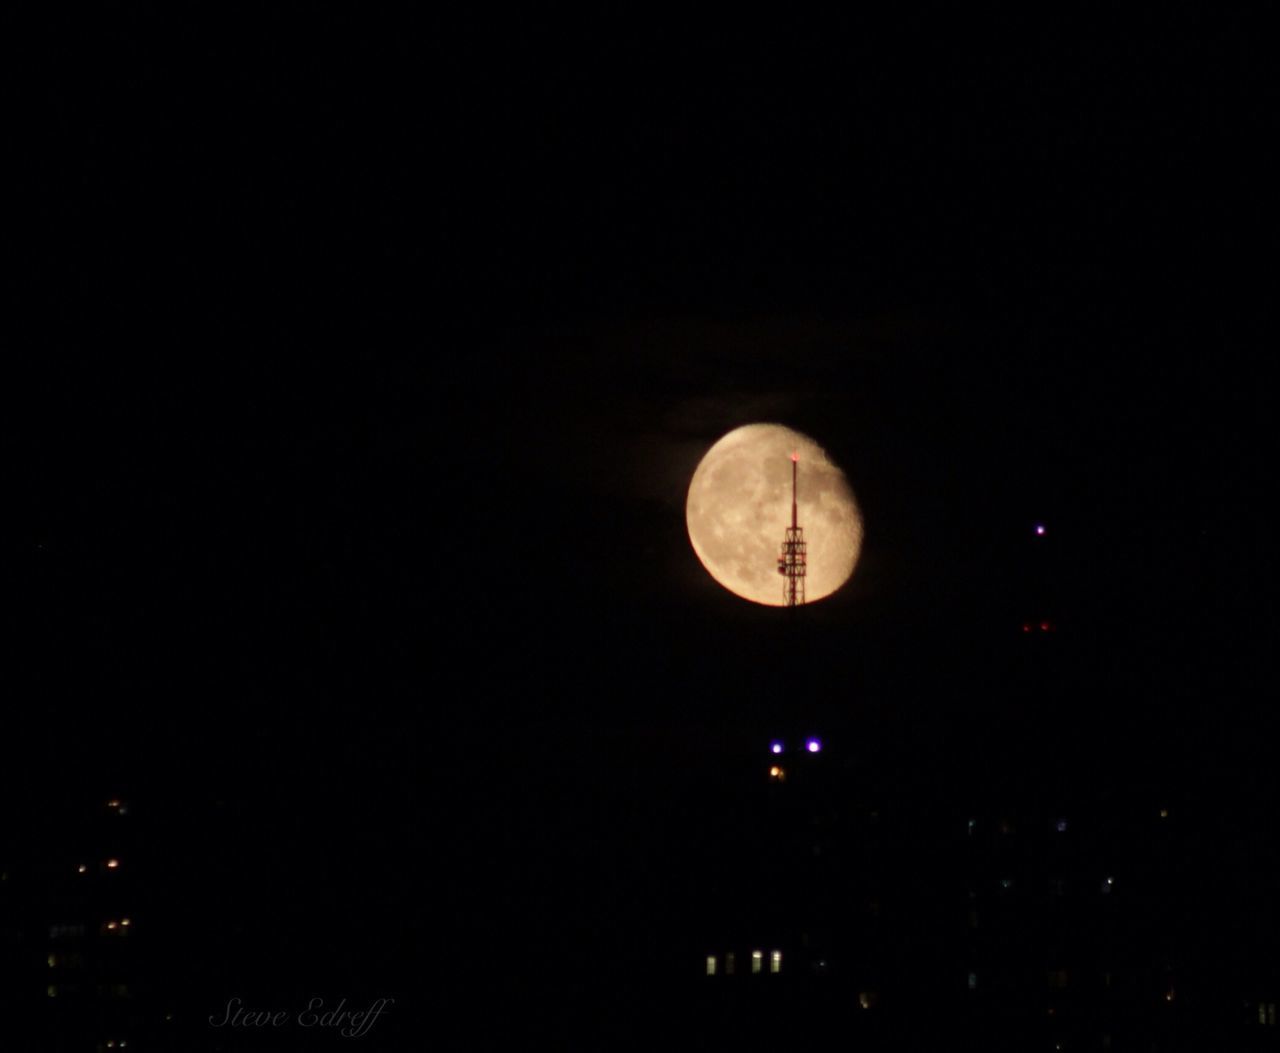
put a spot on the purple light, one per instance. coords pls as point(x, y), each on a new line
point(813, 745)
point(775, 747)
point(1039, 530)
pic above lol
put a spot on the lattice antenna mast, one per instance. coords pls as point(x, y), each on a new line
point(792, 562)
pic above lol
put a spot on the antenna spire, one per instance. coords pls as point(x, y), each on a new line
point(792, 562)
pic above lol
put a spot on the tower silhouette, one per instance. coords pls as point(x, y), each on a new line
point(792, 562)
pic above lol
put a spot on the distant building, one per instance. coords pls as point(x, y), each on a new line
point(1059, 930)
point(73, 926)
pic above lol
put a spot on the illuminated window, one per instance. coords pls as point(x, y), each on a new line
point(65, 932)
point(867, 999)
point(1271, 1014)
point(973, 981)
point(711, 965)
point(972, 823)
point(1262, 1013)
point(51, 990)
point(1164, 813)
point(730, 962)
point(1061, 826)
point(53, 961)
point(775, 962)
point(757, 961)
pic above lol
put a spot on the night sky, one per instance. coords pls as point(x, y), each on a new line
point(365, 361)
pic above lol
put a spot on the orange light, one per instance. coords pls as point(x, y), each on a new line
point(111, 925)
point(112, 864)
point(1164, 813)
point(125, 923)
point(113, 804)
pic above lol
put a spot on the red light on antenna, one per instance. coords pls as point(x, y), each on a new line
point(795, 456)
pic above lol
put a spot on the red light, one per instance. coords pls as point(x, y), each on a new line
point(795, 456)
point(1026, 628)
point(1044, 627)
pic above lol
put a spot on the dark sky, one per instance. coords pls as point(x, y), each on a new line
point(371, 355)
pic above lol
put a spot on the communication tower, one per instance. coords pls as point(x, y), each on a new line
point(792, 562)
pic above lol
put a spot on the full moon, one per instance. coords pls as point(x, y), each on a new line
point(739, 507)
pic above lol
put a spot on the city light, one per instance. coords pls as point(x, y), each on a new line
point(757, 961)
point(113, 864)
point(1040, 530)
point(775, 962)
point(125, 922)
point(775, 747)
point(813, 745)
point(81, 869)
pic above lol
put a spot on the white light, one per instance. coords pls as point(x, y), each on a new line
point(775, 962)
point(711, 965)
point(112, 864)
point(757, 961)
